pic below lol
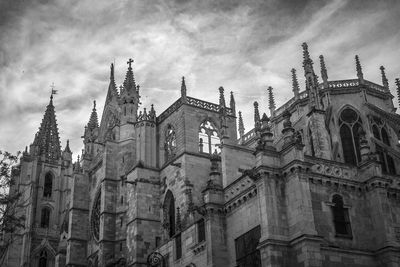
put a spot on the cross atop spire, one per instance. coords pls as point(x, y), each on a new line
point(271, 99)
point(295, 84)
point(129, 62)
point(47, 138)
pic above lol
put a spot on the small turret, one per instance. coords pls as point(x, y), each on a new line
point(129, 97)
point(288, 129)
point(183, 90)
point(221, 97)
point(360, 74)
point(271, 99)
point(324, 72)
point(232, 104)
point(265, 141)
point(384, 79)
point(295, 84)
point(241, 125)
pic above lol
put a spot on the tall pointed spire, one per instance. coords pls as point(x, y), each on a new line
point(47, 139)
point(221, 97)
point(384, 79)
point(360, 74)
point(256, 114)
point(112, 88)
point(93, 121)
point(183, 89)
point(311, 79)
point(295, 84)
point(67, 149)
point(241, 125)
point(324, 72)
point(129, 82)
point(271, 100)
point(232, 104)
point(398, 90)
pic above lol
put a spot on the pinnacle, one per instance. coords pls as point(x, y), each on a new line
point(112, 88)
point(93, 121)
point(129, 82)
point(221, 97)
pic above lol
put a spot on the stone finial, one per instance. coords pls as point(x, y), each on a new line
point(93, 121)
point(183, 89)
point(295, 84)
point(221, 97)
point(385, 81)
point(324, 72)
point(256, 114)
point(152, 113)
point(360, 74)
point(241, 125)
point(232, 103)
point(271, 100)
point(398, 90)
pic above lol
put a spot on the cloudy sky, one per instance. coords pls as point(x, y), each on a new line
point(243, 46)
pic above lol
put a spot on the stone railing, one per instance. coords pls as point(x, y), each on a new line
point(207, 105)
point(192, 102)
point(248, 136)
point(343, 83)
point(285, 106)
point(375, 86)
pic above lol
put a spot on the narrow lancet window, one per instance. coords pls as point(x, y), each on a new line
point(170, 143)
point(340, 216)
point(350, 126)
point(48, 185)
point(45, 219)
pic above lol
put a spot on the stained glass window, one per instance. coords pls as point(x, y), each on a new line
point(95, 219)
point(350, 126)
point(208, 138)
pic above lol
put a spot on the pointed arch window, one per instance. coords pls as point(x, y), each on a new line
point(169, 213)
point(380, 133)
point(208, 138)
point(45, 218)
point(48, 185)
point(43, 259)
point(350, 125)
point(95, 218)
point(170, 143)
point(340, 216)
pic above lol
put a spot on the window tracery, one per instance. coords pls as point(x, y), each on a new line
point(208, 138)
point(170, 142)
point(95, 218)
point(350, 125)
point(380, 133)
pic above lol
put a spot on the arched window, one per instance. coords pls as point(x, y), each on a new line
point(43, 259)
point(311, 142)
point(380, 133)
point(95, 218)
point(170, 143)
point(169, 213)
point(48, 185)
point(45, 219)
point(350, 126)
point(208, 138)
point(340, 216)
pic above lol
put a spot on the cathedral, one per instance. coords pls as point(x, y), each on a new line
point(315, 183)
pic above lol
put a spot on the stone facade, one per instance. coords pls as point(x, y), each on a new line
point(314, 184)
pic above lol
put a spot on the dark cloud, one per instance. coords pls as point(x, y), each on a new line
point(244, 46)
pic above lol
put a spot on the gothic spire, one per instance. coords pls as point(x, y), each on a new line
point(324, 72)
point(67, 149)
point(183, 89)
point(384, 79)
point(398, 90)
point(311, 79)
point(256, 114)
point(47, 138)
point(112, 88)
point(232, 104)
point(93, 121)
point(221, 97)
point(271, 99)
point(241, 125)
point(129, 82)
point(295, 84)
point(360, 74)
